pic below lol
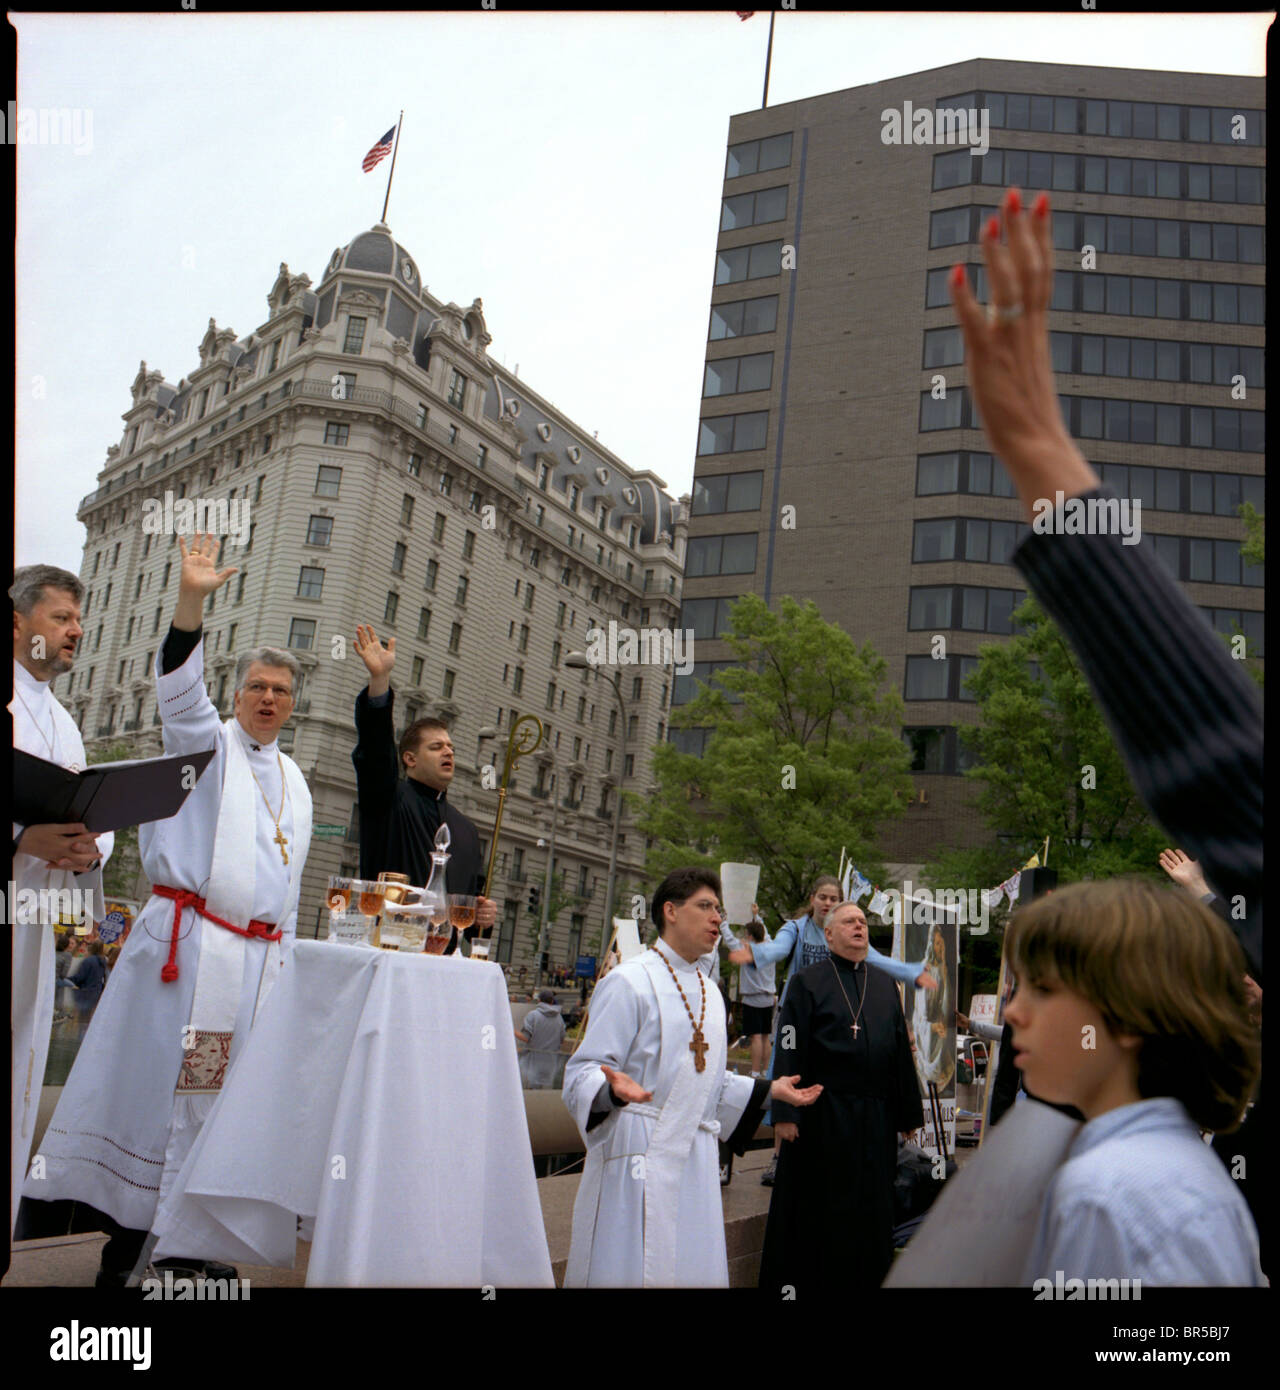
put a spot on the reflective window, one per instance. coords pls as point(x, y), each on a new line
point(937, 473)
point(1142, 358)
point(930, 609)
point(744, 317)
point(1142, 178)
point(1168, 490)
point(942, 414)
point(950, 227)
point(943, 347)
point(926, 679)
point(1201, 492)
point(934, 540)
point(977, 540)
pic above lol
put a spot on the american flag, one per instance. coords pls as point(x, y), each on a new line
point(380, 151)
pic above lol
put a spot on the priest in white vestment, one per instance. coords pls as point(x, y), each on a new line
point(650, 1094)
point(206, 948)
point(60, 863)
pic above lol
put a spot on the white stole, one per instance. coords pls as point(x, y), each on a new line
point(232, 878)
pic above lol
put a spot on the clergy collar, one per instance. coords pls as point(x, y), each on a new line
point(846, 962)
point(423, 790)
point(21, 676)
point(674, 957)
point(250, 744)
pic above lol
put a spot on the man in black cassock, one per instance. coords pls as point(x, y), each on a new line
point(831, 1216)
point(399, 816)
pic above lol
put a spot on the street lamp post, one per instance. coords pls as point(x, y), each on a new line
point(547, 881)
point(579, 662)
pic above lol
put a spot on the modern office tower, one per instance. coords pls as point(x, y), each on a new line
point(822, 388)
point(396, 474)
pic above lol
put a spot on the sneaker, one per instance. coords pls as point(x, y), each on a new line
point(771, 1172)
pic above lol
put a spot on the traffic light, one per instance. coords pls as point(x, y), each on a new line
point(535, 893)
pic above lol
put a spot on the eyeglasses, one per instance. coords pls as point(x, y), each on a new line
point(256, 690)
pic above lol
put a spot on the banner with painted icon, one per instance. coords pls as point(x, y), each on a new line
point(929, 931)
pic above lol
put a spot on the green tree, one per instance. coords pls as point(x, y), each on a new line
point(1252, 552)
point(1045, 763)
point(122, 869)
point(805, 755)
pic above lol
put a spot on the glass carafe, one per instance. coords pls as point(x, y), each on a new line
point(435, 899)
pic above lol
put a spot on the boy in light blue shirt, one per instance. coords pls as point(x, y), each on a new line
point(1131, 1006)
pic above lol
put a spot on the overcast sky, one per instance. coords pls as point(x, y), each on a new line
point(565, 168)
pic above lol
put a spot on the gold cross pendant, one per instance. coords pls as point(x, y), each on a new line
point(281, 841)
point(699, 1049)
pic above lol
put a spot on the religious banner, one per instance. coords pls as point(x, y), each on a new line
point(930, 932)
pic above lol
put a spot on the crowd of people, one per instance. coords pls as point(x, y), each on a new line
point(1135, 1009)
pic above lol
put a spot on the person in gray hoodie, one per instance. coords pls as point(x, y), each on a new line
point(541, 1033)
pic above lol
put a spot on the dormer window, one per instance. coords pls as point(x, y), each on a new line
point(468, 332)
point(275, 356)
point(355, 334)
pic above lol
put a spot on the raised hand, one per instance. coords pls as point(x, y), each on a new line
point(742, 956)
point(623, 1087)
point(925, 981)
point(376, 657)
point(200, 573)
point(788, 1090)
point(200, 576)
point(1006, 354)
point(1184, 871)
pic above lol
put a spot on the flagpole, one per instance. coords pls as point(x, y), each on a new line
point(764, 101)
point(391, 173)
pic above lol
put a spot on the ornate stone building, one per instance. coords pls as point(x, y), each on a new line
point(383, 468)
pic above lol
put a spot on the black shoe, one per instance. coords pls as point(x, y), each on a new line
point(111, 1278)
point(771, 1172)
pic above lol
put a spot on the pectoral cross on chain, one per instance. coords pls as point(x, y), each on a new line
point(855, 1030)
point(280, 840)
point(698, 1047)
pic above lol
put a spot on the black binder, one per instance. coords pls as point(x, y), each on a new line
point(106, 796)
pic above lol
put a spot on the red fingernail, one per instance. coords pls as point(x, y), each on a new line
point(1013, 203)
point(993, 229)
point(957, 276)
point(1041, 206)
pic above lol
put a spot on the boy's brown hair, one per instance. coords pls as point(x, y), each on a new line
point(1158, 964)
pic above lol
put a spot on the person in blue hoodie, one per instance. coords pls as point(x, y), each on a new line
point(800, 942)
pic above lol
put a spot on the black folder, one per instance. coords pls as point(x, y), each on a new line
point(106, 796)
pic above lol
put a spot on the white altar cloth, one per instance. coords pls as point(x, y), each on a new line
point(379, 1098)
